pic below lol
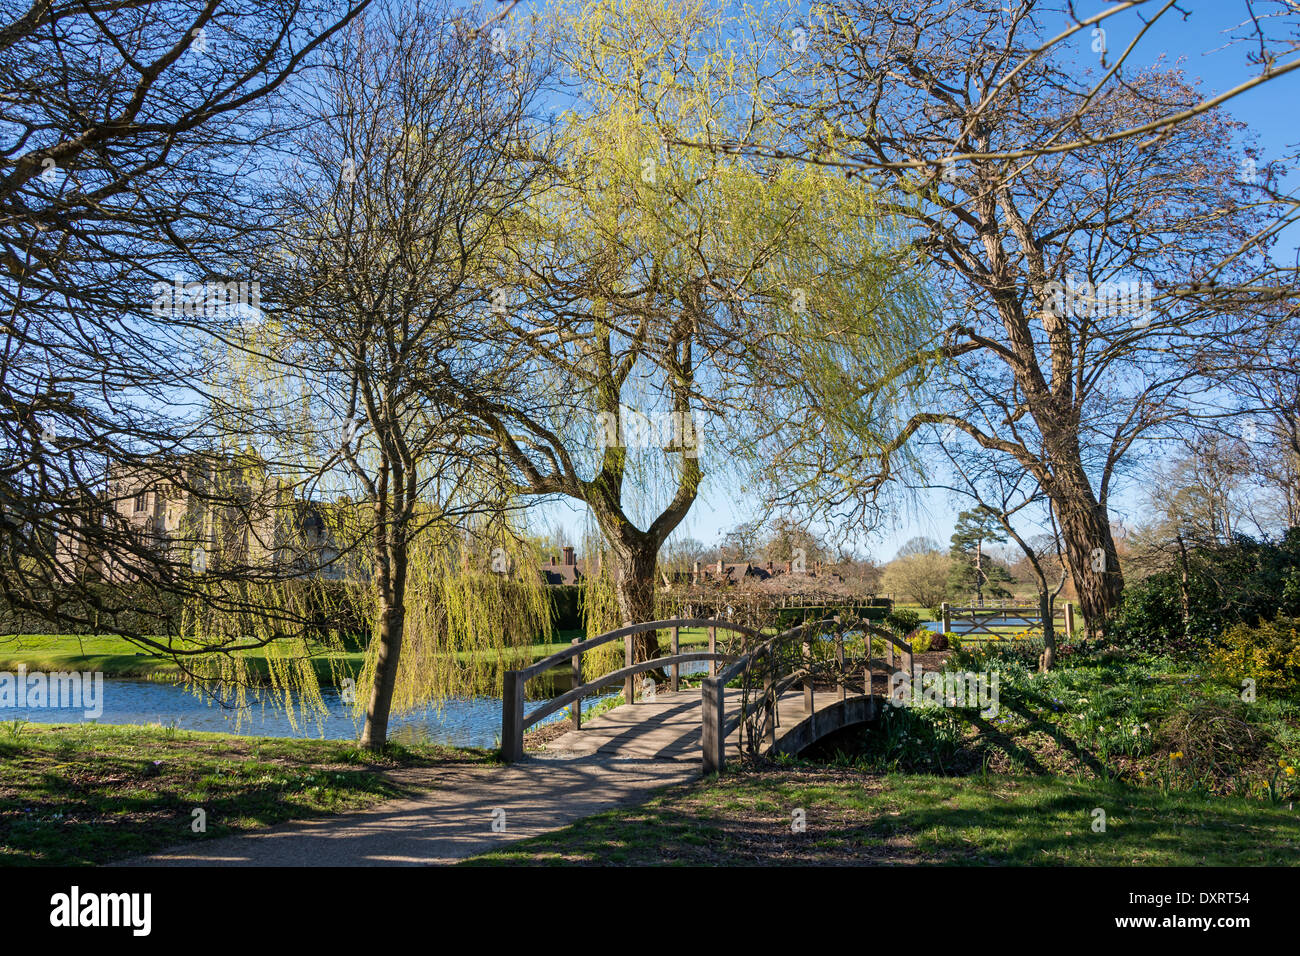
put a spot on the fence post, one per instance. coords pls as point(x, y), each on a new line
point(629, 682)
point(512, 717)
point(946, 616)
point(1069, 621)
point(713, 649)
point(677, 668)
point(906, 653)
point(711, 718)
point(577, 682)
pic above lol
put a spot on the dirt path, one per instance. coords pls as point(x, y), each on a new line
point(468, 811)
point(618, 758)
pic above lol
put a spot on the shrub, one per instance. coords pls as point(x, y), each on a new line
point(1268, 653)
point(939, 642)
point(903, 621)
point(1244, 581)
point(1213, 741)
point(921, 641)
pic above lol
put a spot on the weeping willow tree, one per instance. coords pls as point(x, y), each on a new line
point(388, 218)
point(467, 621)
point(644, 295)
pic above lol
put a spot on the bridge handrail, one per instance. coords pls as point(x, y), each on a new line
point(562, 657)
point(717, 726)
point(614, 677)
point(513, 719)
point(766, 647)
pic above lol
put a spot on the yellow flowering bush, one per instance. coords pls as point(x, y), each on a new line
point(1268, 653)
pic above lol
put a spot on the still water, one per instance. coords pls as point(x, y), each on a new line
point(964, 627)
point(462, 723)
point(473, 722)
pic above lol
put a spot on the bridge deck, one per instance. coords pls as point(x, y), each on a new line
point(668, 727)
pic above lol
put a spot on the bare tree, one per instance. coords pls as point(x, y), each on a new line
point(130, 133)
point(414, 154)
point(1070, 280)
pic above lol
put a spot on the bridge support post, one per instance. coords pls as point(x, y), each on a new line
point(807, 681)
point(946, 615)
point(577, 682)
point(512, 717)
point(677, 668)
point(713, 649)
point(711, 724)
point(769, 705)
point(629, 683)
point(839, 662)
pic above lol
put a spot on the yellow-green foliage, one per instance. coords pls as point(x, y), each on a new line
point(601, 614)
point(230, 619)
point(921, 642)
point(1268, 653)
point(465, 623)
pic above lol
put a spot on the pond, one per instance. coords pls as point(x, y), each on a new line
point(474, 722)
point(965, 627)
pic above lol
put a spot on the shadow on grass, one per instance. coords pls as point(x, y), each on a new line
point(918, 820)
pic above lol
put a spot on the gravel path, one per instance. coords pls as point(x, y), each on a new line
point(466, 811)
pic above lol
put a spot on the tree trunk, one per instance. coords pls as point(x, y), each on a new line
point(634, 588)
point(1089, 550)
point(1048, 658)
point(392, 589)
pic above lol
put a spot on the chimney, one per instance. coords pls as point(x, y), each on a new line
point(695, 573)
point(719, 567)
point(568, 556)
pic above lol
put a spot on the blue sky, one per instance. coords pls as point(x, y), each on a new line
point(1198, 44)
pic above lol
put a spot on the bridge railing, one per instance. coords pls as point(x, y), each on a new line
point(769, 670)
point(514, 721)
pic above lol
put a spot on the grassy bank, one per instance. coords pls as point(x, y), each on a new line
point(856, 818)
point(116, 657)
point(82, 794)
point(1185, 771)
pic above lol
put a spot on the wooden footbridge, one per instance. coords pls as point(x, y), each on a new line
point(764, 694)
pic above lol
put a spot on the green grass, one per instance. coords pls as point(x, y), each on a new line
point(85, 794)
point(1186, 772)
point(856, 818)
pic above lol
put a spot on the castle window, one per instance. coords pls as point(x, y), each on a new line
point(140, 501)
